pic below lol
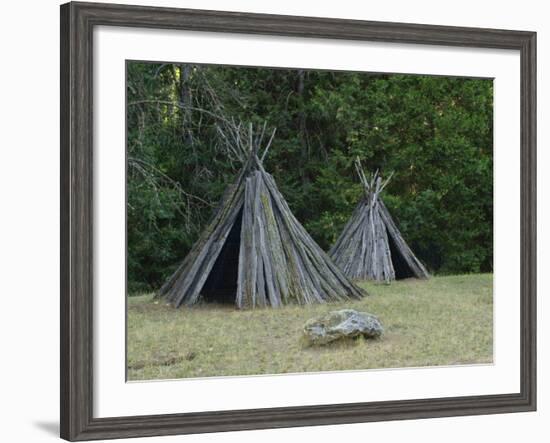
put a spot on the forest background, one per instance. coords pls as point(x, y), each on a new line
point(434, 133)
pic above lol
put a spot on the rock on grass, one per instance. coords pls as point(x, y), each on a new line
point(342, 324)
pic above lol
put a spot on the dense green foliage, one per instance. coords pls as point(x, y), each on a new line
point(435, 133)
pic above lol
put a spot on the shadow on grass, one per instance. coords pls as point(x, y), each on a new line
point(339, 344)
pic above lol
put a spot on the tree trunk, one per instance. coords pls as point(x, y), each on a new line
point(185, 100)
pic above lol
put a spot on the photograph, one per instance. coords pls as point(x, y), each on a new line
point(286, 220)
point(275, 221)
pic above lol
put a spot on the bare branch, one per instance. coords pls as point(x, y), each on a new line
point(167, 179)
point(268, 144)
point(361, 174)
point(386, 181)
point(179, 105)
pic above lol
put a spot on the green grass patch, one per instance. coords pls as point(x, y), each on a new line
point(442, 321)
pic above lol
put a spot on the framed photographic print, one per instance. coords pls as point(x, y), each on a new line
point(272, 221)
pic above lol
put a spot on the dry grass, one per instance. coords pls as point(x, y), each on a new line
point(442, 321)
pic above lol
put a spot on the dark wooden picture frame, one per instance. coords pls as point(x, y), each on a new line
point(77, 23)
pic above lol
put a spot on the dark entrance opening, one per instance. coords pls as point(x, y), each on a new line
point(221, 284)
point(400, 266)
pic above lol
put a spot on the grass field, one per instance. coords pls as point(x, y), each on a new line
point(441, 321)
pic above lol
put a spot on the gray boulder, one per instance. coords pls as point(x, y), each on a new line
point(336, 325)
